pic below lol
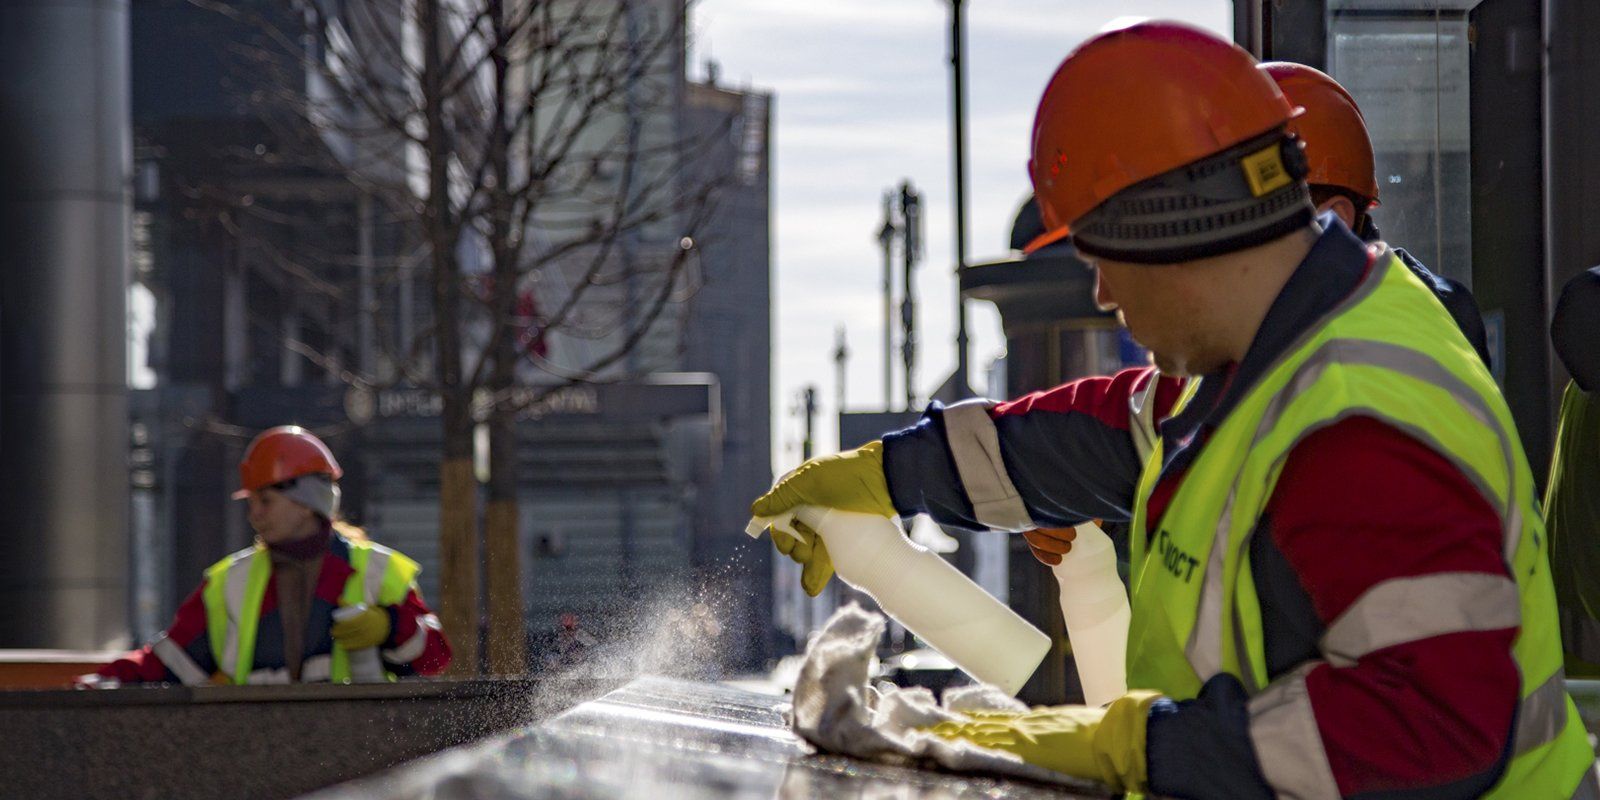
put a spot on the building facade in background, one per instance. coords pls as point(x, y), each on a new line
point(269, 280)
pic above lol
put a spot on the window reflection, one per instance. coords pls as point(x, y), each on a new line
point(1406, 65)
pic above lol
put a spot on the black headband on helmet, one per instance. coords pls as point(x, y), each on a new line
point(1244, 196)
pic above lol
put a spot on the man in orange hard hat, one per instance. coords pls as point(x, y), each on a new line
point(1340, 581)
point(307, 598)
point(1342, 176)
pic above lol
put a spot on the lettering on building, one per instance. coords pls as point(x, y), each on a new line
point(532, 403)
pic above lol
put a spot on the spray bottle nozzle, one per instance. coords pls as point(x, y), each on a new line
point(783, 523)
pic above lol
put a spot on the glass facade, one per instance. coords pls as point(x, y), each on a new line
point(1406, 64)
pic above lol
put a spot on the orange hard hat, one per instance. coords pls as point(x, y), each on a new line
point(282, 454)
point(1338, 150)
point(1138, 102)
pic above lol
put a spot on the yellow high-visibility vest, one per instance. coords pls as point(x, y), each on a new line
point(236, 585)
point(1391, 352)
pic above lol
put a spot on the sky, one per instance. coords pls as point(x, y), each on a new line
point(862, 101)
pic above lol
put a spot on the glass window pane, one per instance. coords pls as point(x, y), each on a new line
point(1406, 65)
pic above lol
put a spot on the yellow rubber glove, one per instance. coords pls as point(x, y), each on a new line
point(370, 628)
point(1099, 744)
point(849, 481)
point(810, 552)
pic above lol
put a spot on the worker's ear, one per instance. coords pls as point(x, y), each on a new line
point(1342, 207)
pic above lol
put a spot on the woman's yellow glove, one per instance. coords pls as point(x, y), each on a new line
point(848, 481)
point(369, 628)
point(1099, 744)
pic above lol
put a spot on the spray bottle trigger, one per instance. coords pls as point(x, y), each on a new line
point(783, 522)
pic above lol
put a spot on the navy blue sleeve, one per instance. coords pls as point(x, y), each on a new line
point(1067, 451)
point(922, 476)
point(1201, 748)
point(1069, 466)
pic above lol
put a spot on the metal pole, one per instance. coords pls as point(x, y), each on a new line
point(841, 360)
point(1249, 26)
point(911, 232)
point(886, 241)
point(809, 406)
point(367, 298)
point(958, 45)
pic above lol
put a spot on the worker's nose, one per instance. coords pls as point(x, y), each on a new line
point(1102, 295)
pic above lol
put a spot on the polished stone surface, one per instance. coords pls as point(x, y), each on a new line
point(662, 739)
point(252, 742)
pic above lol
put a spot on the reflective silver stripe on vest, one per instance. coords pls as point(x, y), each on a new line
point(975, 448)
point(316, 669)
point(413, 647)
point(1142, 419)
point(1409, 362)
point(276, 676)
point(372, 581)
point(238, 580)
point(176, 659)
point(1411, 609)
point(1287, 742)
point(1422, 367)
point(1542, 715)
point(1204, 649)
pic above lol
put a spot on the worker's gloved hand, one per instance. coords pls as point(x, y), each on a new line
point(370, 628)
point(811, 553)
point(1050, 544)
point(848, 481)
point(1099, 744)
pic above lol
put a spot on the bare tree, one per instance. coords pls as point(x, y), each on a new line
point(533, 150)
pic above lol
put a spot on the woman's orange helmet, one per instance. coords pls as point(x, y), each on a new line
point(1338, 149)
point(282, 454)
point(1138, 102)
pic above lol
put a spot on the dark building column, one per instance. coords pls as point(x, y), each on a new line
point(63, 395)
point(1571, 175)
point(1508, 210)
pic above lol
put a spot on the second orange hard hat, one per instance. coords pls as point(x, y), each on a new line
point(1337, 147)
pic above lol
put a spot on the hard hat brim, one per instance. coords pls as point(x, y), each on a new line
point(1046, 239)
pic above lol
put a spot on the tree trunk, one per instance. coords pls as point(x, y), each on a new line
point(507, 629)
point(507, 636)
point(458, 540)
point(458, 562)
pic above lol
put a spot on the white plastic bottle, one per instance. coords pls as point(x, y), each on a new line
point(1095, 606)
point(366, 665)
point(926, 594)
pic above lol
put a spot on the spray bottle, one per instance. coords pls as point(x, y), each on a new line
point(1095, 606)
point(925, 593)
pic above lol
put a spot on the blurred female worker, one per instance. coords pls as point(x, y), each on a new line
point(266, 613)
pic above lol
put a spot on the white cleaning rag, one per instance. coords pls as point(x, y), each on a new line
point(837, 709)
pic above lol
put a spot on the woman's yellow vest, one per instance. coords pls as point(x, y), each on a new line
point(1390, 352)
point(236, 585)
